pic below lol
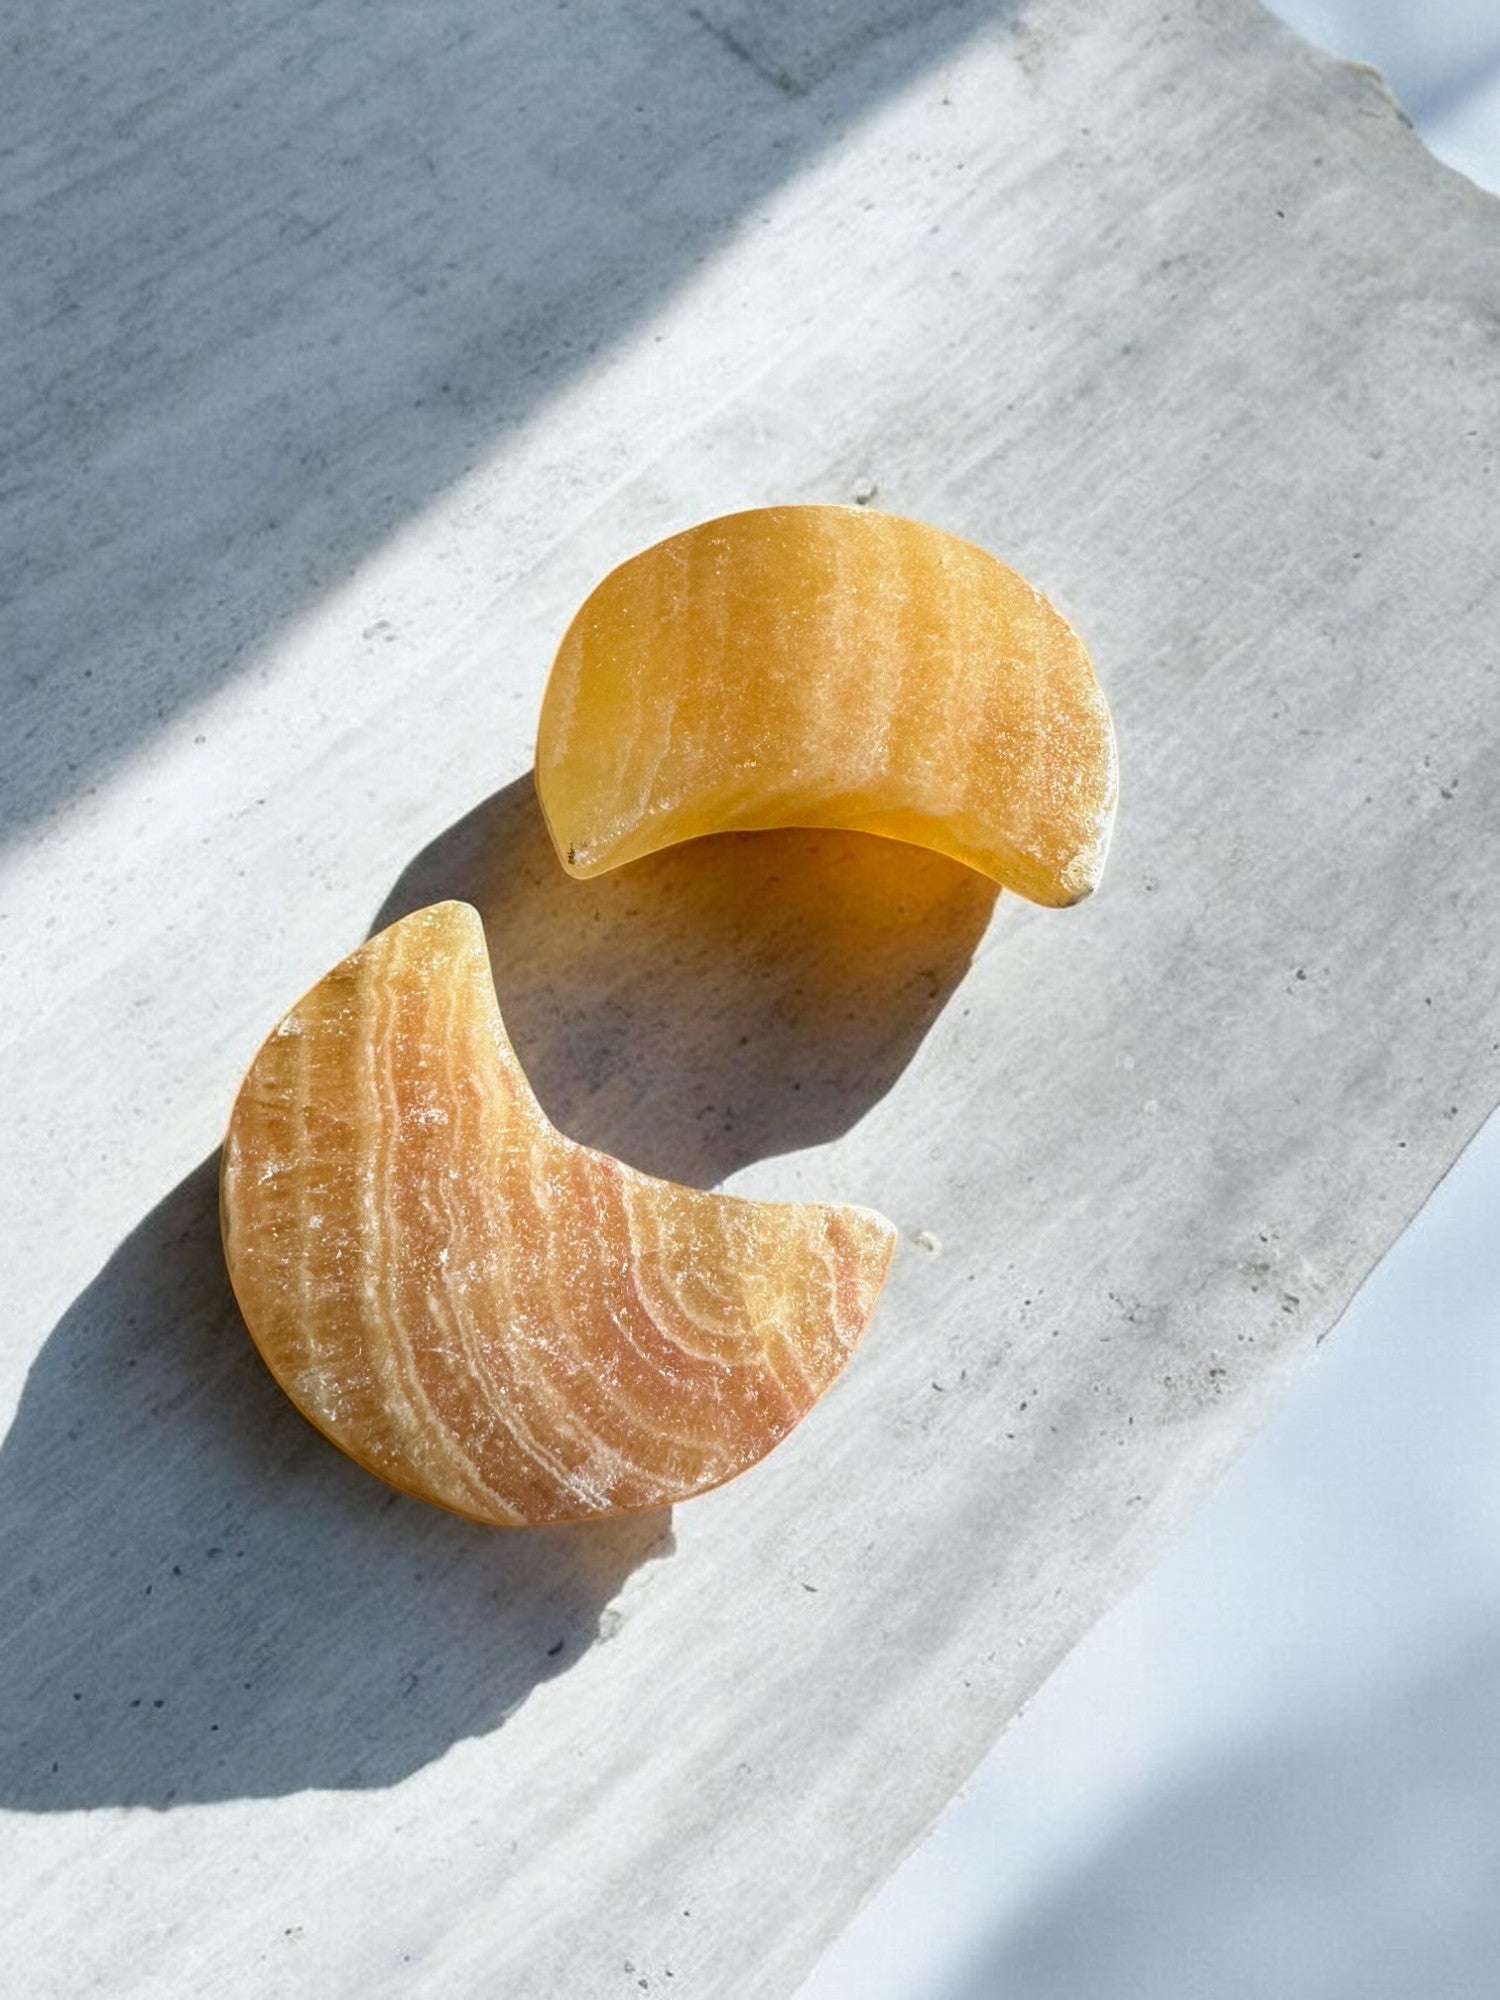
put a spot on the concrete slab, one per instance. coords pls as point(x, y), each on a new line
point(343, 359)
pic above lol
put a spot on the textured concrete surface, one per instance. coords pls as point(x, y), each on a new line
point(1274, 1766)
point(342, 358)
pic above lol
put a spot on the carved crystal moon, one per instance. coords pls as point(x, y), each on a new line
point(484, 1312)
point(829, 666)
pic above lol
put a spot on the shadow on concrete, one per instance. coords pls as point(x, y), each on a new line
point(720, 1002)
point(1356, 1860)
point(202, 1598)
point(275, 278)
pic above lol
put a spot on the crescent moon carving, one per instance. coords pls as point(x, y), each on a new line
point(482, 1311)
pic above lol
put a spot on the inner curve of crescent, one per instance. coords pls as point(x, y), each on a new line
point(484, 1312)
point(832, 667)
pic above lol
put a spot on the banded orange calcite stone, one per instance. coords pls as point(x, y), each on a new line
point(829, 666)
point(483, 1312)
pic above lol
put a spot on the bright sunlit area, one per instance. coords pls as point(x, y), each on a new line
point(459, 453)
point(1274, 1770)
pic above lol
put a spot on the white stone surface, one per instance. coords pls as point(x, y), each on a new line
point(343, 356)
point(1441, 61)
point(1274, 1766)
point(1430, 51)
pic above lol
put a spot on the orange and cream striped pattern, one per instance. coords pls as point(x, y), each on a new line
point(480, 1310)
point(833, 667)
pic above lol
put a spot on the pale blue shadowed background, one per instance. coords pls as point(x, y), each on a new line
point(1273, 1772)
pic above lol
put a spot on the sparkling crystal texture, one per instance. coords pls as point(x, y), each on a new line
point(484, 1312)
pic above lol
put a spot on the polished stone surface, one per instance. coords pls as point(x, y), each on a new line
point(343, 359)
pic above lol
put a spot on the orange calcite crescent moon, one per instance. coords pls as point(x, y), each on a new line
point(483, 1312)
point(829, 666)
